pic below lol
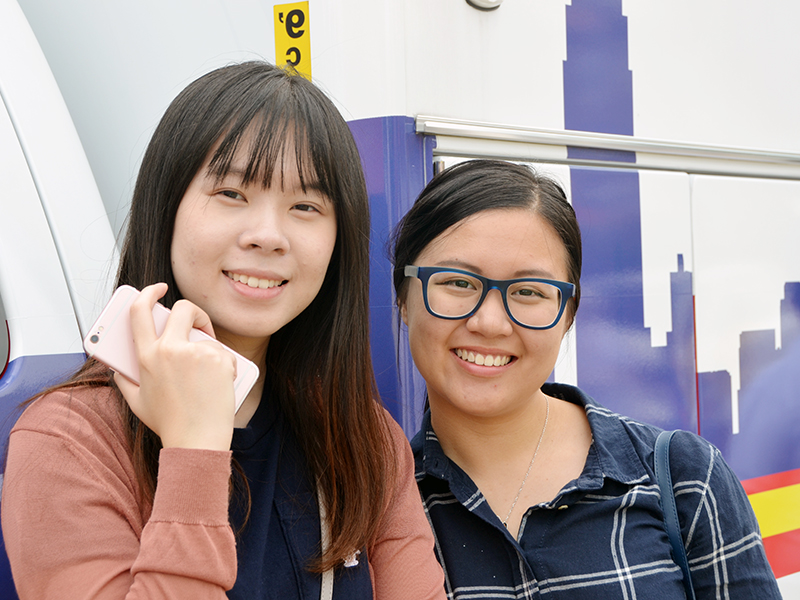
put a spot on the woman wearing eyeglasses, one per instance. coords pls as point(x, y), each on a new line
point(533, 488)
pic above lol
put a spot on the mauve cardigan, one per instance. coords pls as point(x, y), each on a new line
point(73, 527)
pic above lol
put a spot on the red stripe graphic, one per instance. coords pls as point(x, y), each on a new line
point(782, 552)
point(771, 482)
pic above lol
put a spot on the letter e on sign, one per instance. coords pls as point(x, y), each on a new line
point(293, 36)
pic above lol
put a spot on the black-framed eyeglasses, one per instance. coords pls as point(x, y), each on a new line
point(531, 302)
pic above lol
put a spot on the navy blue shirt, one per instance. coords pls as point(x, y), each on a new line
point(282, 533)
point(603, 535)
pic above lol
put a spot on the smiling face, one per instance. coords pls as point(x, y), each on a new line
point(252, 257)
point(500, 244)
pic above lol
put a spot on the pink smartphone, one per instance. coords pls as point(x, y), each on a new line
point(110, 340)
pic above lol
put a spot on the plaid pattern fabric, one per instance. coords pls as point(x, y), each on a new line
point(603, 535)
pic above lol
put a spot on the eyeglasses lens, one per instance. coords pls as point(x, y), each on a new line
point(532, 303)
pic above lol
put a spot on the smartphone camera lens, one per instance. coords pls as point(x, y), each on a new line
point(94, 339)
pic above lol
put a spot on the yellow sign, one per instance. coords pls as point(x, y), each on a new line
point(293, 36)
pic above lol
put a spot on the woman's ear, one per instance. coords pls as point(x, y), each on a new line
point(566, 331)
point(571, 320)
point(569, 315)
point(403, 313)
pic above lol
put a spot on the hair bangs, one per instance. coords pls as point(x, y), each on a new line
point(264, 138)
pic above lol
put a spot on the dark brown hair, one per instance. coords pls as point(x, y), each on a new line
point(326, 388)
point(473, 186)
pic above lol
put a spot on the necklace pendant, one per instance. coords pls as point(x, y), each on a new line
point(505, 524)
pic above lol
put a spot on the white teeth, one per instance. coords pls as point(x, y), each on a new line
point(254, 282)
point(479, 359)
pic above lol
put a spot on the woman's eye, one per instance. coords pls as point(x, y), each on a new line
point(234, 195)
point(459, 283)
point(532, 293)
point(305, 208)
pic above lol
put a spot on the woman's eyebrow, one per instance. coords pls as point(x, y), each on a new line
point(313, 184)
point(308, 184)
point(465, 266)
point(534, 273)
point(229, 173)
point(458, 264)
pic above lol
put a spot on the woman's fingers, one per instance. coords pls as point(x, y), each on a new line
point(186, 316)
point(185, 392)
point(142, 325)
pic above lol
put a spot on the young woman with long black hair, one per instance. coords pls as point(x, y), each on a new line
point(250, 221)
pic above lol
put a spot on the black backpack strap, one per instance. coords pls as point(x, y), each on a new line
point(664, 480)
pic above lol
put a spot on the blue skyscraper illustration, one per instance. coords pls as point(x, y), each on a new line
point(616, 361)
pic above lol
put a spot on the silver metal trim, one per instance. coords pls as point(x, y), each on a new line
point(528, 143)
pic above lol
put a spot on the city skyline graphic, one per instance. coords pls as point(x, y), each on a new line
point(617, 362)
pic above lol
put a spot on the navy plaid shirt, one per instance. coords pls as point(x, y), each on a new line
point(603, 535)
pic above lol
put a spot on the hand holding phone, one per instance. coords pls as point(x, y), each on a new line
point(110, 340)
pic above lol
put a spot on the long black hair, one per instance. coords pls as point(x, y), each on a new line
point(319, 364)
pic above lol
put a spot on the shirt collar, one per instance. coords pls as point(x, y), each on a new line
point(616, 457)
point(616, 454)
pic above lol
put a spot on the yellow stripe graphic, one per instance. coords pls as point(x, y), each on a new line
point(777, 511)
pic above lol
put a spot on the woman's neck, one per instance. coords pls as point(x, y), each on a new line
point(255, 350)
point(250, 404)
point(478, 443)
point(520, 459)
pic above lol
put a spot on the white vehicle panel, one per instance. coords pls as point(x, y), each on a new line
point(37, 306)
point(57, 165)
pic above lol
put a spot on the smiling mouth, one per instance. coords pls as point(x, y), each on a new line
point(486, 360)
point(255, 282)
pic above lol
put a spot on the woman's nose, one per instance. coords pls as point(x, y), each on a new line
point(491, 319)
point(264, 230)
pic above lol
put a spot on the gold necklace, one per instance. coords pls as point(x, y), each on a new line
point(530, 466)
